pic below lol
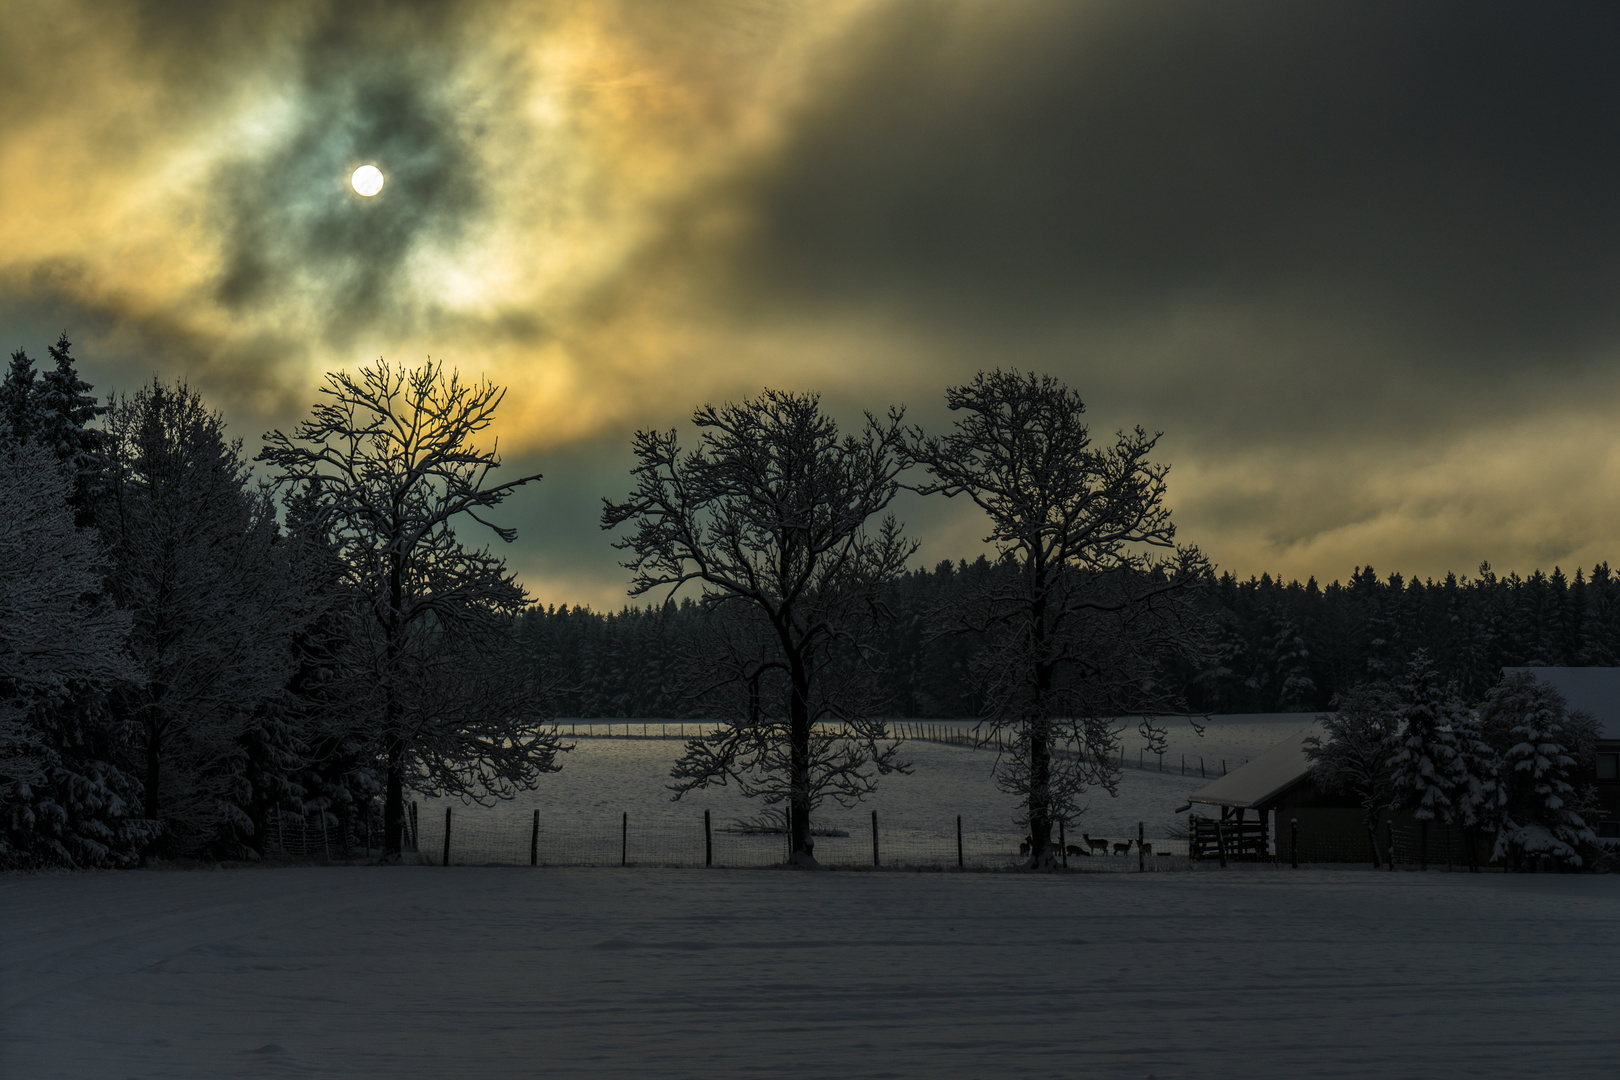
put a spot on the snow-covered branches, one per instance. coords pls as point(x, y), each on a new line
point(196, 564)
point(385, 467)
point(1528, 718)
point(769, 515)
point(56, 628)
point(1101, 592)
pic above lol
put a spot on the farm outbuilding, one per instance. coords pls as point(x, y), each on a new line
point(1273, 805)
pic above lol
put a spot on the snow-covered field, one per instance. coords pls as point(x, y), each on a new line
point(604, 778)
point(435, 973)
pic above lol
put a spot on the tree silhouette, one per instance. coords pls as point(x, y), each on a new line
point(391, 461)
point(769, 516)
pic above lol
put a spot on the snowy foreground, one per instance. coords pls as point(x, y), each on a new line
point(429, 972)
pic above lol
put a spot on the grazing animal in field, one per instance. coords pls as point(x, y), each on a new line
point(1122, 849)
point(1023, 849)
point(1076, 849)
point(1095, 845)
point(1147, 849)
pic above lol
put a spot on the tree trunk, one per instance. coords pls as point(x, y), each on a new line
point(394, 796)
point(394, 802)
point(1039, 726)
point(1040, 794)
point(800, 849)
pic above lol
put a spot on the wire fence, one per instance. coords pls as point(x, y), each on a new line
point(476, 836)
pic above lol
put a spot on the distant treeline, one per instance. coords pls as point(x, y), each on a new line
point(1279, 647)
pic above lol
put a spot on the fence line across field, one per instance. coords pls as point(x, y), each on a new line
point(904, 730)
point(464, 835)
point(474, 836)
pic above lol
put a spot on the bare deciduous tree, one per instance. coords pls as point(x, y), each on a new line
point(769, 515)
point(391, 461)
point(1076, 629)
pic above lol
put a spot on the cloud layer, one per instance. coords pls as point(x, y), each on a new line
point(1357, 263)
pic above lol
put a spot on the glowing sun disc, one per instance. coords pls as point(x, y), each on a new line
point(367, 180)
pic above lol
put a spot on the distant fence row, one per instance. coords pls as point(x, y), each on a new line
point(474, 836)
point(917, 731)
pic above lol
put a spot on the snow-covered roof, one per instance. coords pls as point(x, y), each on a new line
point(1265, 777)
point(1590, 689)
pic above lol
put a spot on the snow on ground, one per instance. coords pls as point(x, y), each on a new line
point(427, 972)
point(581, 807)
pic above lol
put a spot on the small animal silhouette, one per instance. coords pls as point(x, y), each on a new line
point(1076, 849)
point(1095, 845)
point(1122, 849)
point(1147, 849)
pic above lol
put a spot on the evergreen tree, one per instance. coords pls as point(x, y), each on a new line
point(1529, 722)
point(64, 409)
point(1424, 765)
point(195, 563)
point(63, 797)
point(17, 405)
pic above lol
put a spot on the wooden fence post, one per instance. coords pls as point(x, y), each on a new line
point(1389, 829)
point(624, 840)
point(959, 841)
point(416, 835)
point(534, 841)
point(708, 841)
point(1063, 844)
point(874, 839)
point(1220, 842)
point(1141, 856)
point(447, 836)
point(1293, 842)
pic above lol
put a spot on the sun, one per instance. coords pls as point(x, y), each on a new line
point(367, 180)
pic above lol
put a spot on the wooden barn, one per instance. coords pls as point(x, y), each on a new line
point(1264, 808)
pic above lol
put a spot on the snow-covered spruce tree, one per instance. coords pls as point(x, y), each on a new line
point(196, 564)
point(1478, 796)
point(391, 456)
point(1425, 766)
point(1077, 633)
point(19, 407)
point(769, 516)
point(64, 409)
point(1354, 756)
point(63, 798)
point(1529, 723)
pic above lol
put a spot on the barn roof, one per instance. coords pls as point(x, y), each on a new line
point(1264, 778)
point(1595, 690)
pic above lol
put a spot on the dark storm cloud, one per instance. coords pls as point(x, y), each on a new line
point(1357, 261)
point(291, 222)
point(1425, 192)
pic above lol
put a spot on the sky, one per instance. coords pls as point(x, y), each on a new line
point(1358, 263)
